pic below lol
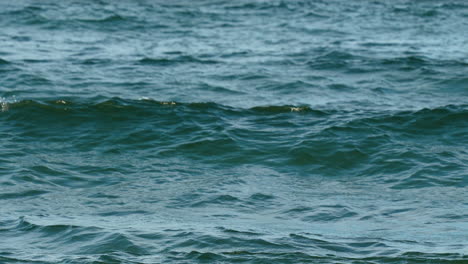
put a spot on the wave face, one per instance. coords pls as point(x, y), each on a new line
point(233, 132)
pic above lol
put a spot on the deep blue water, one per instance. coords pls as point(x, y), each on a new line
point(233, 131)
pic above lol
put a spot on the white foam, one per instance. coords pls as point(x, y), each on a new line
point(5, 104)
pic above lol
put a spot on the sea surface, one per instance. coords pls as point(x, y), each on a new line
point(246, 131)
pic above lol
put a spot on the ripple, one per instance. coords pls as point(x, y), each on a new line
point(322, 213)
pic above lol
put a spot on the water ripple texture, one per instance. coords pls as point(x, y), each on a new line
point(233, 132)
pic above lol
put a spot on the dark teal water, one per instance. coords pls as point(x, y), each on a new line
point(233, 132)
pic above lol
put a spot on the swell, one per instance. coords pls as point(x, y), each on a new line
point(136, 107)
point(359, 62)
point(62, 243)
point(108, 19)
point(450, 120)
point(66, 239)
point(176, 60)
point(423, 118)
point(100, 20)
point(4, 62)
point(409, 149)
point(29, 15)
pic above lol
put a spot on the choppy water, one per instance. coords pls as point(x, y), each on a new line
point(233, 132)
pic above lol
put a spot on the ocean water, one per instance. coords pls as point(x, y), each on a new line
point(245, 131)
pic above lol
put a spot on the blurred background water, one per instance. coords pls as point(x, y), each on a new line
point(233, 131)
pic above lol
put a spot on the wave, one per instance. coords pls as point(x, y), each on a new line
point(400, 146)
point(332, 60)
point(4, 62)
point(300, 257)
point(359, 62)
point(64, 243)
point(428, 119)
point(118, 104)
point(175, 60)
point(15, 195)
point(124, 105)
point(29, 15)
point(259, 6)
point(323, 213)
point(254, 257)
point(70, 239)
point(407, 61)
point(272, 109)
point(99, 20)
point(107, 19)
